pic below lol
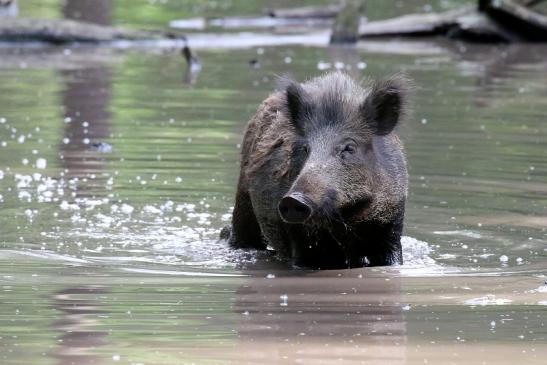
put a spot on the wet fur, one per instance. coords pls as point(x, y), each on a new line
point(348, 230)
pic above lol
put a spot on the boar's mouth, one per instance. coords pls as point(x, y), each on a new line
point(355, 209)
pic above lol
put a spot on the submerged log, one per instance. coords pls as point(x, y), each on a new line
point(462, 23)
point(496, 20)
point(518, 17)
point(328, 11)
point(67, 31)
point(411, 24)
point(477, 26)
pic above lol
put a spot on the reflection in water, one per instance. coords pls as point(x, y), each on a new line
point(93, 11)
point(86, 99)
point(491, 308)
point(193, 66)
point(85, 121)
point(324, 316)
point(495, 66)
point(346, 57)
point(80, 307)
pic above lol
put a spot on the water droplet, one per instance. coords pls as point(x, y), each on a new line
point(41, 163)
point(127, 209)
point(323, 65)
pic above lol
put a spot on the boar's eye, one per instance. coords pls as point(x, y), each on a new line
point(303, 150)
point(349, 149)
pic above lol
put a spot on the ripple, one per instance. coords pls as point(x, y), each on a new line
point(182, 273)
point(488, 300)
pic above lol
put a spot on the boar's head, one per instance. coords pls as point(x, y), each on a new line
point(347, 163)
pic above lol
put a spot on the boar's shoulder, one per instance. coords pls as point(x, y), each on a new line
point(267, 132)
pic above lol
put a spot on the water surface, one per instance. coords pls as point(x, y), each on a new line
point(118, 169)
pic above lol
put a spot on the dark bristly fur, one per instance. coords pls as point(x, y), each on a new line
point(331, 143)
point(387, 100)
point(299, 104)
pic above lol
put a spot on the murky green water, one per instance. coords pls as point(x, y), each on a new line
point(117, 171)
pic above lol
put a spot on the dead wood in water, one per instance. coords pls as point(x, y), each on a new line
point(462, 23)
point(412, 24)
point(529, 3)
point(67, 31)
point(327, 11)
point(477, 26)
point(518, 17)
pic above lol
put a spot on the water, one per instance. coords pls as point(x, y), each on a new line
point(118, 169)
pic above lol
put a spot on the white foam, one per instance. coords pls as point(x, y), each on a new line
point(46, 255)
point(463, 233)
point(489, 299)
point(181, 273)
point(127, 209)
point(416, 252)
point(417, 260)
point(541, 289)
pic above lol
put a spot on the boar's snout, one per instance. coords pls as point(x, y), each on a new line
point(295, 208)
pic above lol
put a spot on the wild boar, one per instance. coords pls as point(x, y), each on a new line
point(323, 176)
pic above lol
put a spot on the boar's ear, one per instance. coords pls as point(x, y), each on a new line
point(386, 104)
point(299, 103)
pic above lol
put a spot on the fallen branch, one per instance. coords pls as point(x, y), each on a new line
point(328, 11)
point(413, 24)
point(528, 24)
point(67, 31)
point(463, 23)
